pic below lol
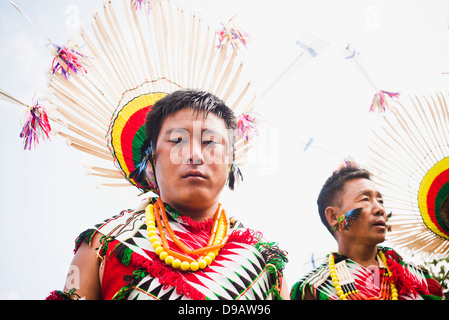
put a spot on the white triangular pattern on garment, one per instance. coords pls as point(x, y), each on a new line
point(245, 248)
point(266, 281)
point(258, 290)
point(212, 288)
point(140, 295)
point(226, 272)
point(114, 225)
point(237, 269)
point(141, 241)
point(229, 275)
point(320, 278)
point(361, 275)
point(137, 294)
point(118, 228)
point(154, 284)
point(222, 268)
point(329, 290)
point(129, 228)
point(255, 291)
point(219, 277)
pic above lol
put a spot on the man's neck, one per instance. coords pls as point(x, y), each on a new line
point(364, 255)
point(197, 213)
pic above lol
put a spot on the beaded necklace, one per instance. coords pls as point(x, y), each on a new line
point(156, 217)
point(344, 283)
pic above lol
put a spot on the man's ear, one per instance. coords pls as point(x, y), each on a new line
point(331, 214)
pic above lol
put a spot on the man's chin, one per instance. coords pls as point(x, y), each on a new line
point(195, 194)
point(380, 239)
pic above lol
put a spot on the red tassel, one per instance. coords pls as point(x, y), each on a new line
point(434, 287)
point(247, 236)
point(405, 284)
point(198, 225)
point(166, 275)
point(59, 295)
point(54, 295)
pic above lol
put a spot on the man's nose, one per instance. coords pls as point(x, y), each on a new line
point(378, 208)
point(196, 153)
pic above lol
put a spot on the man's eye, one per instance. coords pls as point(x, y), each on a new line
point(176, 140)
point(209, 142)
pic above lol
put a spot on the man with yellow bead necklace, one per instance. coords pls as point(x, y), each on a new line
point(180, 244)
point(351, 207)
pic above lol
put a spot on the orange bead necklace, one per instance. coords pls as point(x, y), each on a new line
point(156, 217)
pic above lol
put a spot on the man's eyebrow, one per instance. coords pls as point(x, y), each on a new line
point(173, 130)
point(182, 132)
point(212, 131)
point(368, 192)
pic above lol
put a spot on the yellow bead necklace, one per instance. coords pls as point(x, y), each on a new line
point(156, 217)
point(344, 283)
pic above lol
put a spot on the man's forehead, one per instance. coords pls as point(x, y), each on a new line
point(187, 118)
point(361, 186)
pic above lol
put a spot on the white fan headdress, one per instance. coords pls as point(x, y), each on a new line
point(409, 157)
point(104, 84)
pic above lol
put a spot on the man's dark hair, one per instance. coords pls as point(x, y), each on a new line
point(198, 101)
point(331, 191)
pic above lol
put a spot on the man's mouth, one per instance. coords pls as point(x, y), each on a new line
point(380, 223)
point(194, 174)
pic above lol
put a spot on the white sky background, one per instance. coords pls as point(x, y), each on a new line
point(46, 200)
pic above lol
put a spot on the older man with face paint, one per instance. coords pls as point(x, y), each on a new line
point(352, 208)
point(180, 244)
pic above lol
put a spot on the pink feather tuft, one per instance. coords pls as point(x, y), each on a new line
point(380, 101)
point(138, 4)
point(71, 62)
point(36, 126)
point(247, 125)
point(232, 36)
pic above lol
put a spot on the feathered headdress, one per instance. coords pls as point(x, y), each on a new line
point(409, 158)
point(104, 85)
